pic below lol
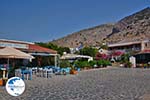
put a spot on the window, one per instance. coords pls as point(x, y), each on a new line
point(146, 44)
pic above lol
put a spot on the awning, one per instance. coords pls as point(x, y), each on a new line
point(74, 56)
point(42, 54)
point(9, 52)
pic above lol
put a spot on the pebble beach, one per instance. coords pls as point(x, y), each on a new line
point(95, 84)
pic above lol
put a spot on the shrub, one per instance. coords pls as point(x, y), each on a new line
point(92, 63)
point(82, 64)
point(86, 64)
point(100, 63)
point(103, 63)
point(65, 64)
point(128, 64)
point(145, 65)
point(88, 51)
point(125, 58)
point(106, 63)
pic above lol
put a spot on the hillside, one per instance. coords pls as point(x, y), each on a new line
point(90, 37)
point(131, 28)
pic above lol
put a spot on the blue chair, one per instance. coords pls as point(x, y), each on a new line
point(27, 72)
point(78, 69)
point(57, 70)
point(65, 70)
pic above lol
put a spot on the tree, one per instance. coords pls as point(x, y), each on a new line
point(60, 50)
point(88, 51)
point(82, 64)
point(104, 47)
point(63, 49)
point(125, 58)
point(48, 45)
point(65, 64)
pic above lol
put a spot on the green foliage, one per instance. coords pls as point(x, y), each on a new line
point(125, 58)
point(60, 50)
point(106, 63)
point(92, 63)
point(65, 64)
point(145, 65)
point(63, 49)
point(42, 44)
point(104, 46)
point(103, 63)
point(82, 64)
point(128, 64)
point(85, 64)
point(99, 63)
point(88, 51)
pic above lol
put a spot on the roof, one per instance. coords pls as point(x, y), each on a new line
point(43, 54)
point(16, 41)
point(127, 43)
point(36, 48)
point(145, 51)
point(73, 56)
point(123, 44)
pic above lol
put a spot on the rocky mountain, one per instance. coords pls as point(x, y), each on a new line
point(131, 28)
point(91, 36)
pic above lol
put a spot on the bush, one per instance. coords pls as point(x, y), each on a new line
point(128, 64)
point(100, 63)
point(82, 64)
point(125, 58)
point(92, 63)
point(85, 64)
point(145, 65)
point(103, 63)
point(89, 51)
point(65, 64)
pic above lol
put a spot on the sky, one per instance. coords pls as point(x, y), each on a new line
point(46, 20)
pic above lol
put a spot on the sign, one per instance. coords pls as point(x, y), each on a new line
point(14, 45)
point(15, 86)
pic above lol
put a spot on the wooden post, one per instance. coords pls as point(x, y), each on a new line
point(4, 74)
point(55, 60)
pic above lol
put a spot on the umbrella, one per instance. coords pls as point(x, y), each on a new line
point(9, 52)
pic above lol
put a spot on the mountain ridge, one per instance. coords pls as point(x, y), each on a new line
point(130, 28)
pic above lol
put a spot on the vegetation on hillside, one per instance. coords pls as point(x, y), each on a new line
point(89, 51)
point(59, 49)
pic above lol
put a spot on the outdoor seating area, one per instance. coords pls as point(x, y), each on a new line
point(24, 73)
point(45, 72)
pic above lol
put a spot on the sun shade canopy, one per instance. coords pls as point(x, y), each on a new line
point(73, 56)
point(9, 52)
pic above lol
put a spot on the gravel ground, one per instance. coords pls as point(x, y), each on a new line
point(99, 84)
